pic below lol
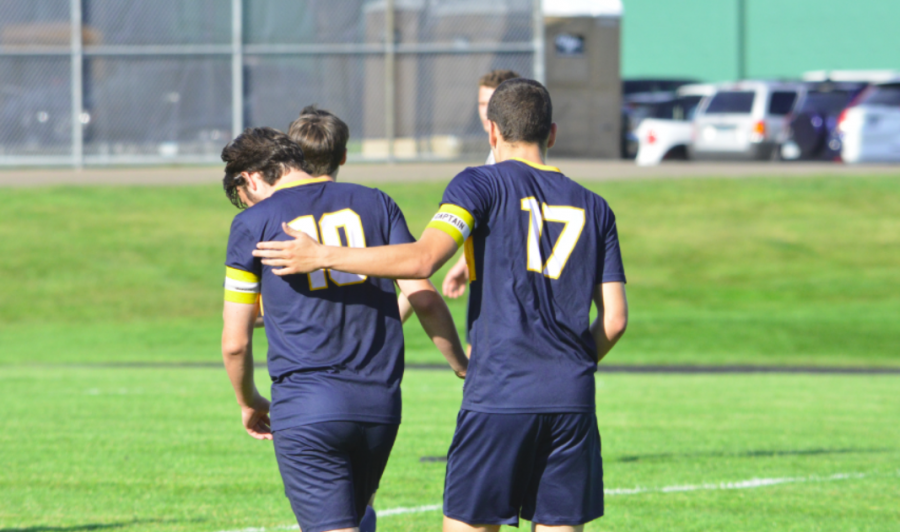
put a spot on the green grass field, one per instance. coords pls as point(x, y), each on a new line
point(757, 271)
point(153, 449)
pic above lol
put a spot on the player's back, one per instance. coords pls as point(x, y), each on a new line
point(540, 245)
point(335, 339)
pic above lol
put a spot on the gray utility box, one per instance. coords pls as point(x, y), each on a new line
point(584, 80)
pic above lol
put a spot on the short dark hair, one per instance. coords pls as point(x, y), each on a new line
point(258, 149)
point(522, 110)
point(323, 138)
point(494, 78)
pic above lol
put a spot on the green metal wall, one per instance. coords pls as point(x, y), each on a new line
point(783, 38)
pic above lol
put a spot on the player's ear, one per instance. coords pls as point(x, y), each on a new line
point(344, 158)
point(250, 182)
point(551, 139)
point(494, 134)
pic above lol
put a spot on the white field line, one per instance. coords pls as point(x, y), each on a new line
point(739, 485)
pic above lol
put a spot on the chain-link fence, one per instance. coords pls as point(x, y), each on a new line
point(165, 81)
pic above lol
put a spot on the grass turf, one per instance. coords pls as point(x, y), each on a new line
point(751, 271)
point(758, 271)
point(153, 449)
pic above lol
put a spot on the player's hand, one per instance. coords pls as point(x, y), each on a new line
point(454, 284)
point(290, 256)
point(461, 373)
point(256, 419)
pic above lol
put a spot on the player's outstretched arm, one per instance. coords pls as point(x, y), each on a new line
point(435, 318)
point(612, 316)
point(418, 260)
point(237, 353)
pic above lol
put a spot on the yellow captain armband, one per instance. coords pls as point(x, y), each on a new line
point(241, 286)
point(455, 221)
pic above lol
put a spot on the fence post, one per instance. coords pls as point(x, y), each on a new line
point(389, 77)
point(741, 9)
point(237, 67)
point(538, 41)
point(77, 83)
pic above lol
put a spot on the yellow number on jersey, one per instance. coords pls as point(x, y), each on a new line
point(573, 217)
point(330, 225)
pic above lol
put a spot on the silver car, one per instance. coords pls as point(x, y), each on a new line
point(870, 127)
point(744, 120)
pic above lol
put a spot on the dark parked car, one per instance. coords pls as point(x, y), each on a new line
point(812, 133)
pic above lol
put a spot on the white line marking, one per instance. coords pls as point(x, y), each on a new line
point(739, 485)
point(413, 510)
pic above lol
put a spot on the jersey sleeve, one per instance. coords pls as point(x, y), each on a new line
point(465, 205)
point(609, 267)
point(399, 231)
point(242, 269)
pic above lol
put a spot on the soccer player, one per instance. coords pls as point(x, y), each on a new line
point(454, 284)
point(335, 338)
point(543, 249)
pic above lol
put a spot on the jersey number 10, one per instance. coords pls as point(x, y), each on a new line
point(573, 217)
point(330, 225)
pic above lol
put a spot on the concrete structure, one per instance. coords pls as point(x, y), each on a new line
point(582, 69)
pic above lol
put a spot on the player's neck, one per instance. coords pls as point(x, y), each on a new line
point(530, 152)
point(297, 175)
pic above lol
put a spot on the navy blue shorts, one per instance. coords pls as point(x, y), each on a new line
point(331, 470)
point(544, 467)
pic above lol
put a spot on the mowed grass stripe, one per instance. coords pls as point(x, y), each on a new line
point(754, 483)
point(762, 271)
point(163, 450)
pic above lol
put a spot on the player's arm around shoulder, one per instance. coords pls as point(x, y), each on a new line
point(237, 354)
point(418, 260)
point(435, 318)
point(612, 316)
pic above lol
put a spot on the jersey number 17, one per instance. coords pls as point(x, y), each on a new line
point(538, 213)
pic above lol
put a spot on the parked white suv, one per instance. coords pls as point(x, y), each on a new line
point(870, 127)
point(666, 133)
point(744, 120)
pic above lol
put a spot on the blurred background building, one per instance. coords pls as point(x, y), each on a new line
point(170, 81)
point(164, 81)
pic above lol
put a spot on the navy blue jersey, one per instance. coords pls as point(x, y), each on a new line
point(537, 244)
point(335, 338)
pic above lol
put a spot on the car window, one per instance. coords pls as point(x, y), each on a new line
point(734, 102)
point(781, 102)
point(830, 103)
point(883, 95)
point(665, 110)
point(678, 109)
point(688, 107)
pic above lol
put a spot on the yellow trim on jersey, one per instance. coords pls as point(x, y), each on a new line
point(240, 275)
point(241, 286)
point(453, 220)
point(459, 211)
point(249, 298)
point(535, 165)
point(448, 228)
point(303, 182)
point(469, 252)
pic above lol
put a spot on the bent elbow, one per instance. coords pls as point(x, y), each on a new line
point(233, 349)
point(616, 326)
point(425, 267)
point(426, 303)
